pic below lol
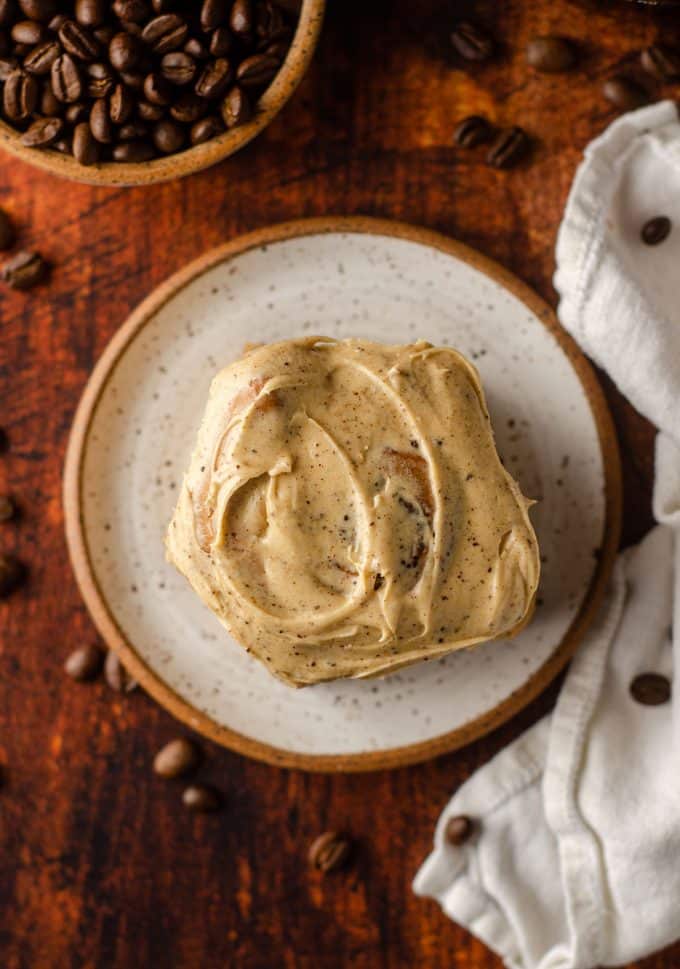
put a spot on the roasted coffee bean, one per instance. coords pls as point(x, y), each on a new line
point(133, 151)
point(471, 42)
point(132, 130)
point(269, 23)
point(329, 851)
point(99, 81)
point(75, 113)
point(7, 66)
point(84, 663)
point(117, 676)
point(201, 798)
point(7, 13)
point(205, 129)
point(165, 33)
point(21, 50)
point(221, 42)
point(242, 19)
point(662, 62)
point(655, 230)
point(551, 54)
point(194, 48)
point(214, 13)
point(41, 58)
point(624, 93)
point(458, 830)
point(163, 6)
point(236, 108)
point(178, 68)
point(104, 34)
point(189, 108)
point(78, 41)
point(63, 145)
point(85, 147)
point(49, 106)
point(121, 104)
point(125, 51)
point(278, 49)
point(214, 79)
point(176, 758)
point(256, 71)
point(133, 79)
point(28, 32)
point(24, 270)
point(20, 96)
point(168, 136)
point(157, 90)
point(131, 11)
point(42, 132)
point(42, 10)
point(91, 13)
point(55, 23)
point(7, 234)
point(472, 131)
point(8, 508)
point(12, 575)
point(509, 148)
point(149, 112)
point(651, 689)
point(100, 122)
point(66, 82)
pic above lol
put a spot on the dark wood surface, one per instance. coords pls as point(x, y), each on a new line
point(99, 864)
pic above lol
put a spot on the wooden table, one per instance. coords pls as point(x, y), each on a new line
point(99, 865)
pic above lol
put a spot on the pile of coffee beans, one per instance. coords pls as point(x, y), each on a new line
point(130, 80)
point(24, 270)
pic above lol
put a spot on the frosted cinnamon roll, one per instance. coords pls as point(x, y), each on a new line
point(346, 513)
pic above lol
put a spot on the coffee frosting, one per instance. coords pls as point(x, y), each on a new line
point(346, 513)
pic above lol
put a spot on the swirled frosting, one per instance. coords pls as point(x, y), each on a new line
point(346, 513)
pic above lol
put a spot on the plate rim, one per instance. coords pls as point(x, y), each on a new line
point(180, 708)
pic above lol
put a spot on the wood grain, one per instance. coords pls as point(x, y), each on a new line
point(99, 865)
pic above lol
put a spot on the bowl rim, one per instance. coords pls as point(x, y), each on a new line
point(199, 157)
point(150, 680)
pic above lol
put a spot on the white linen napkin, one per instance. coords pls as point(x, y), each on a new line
point(575, 857)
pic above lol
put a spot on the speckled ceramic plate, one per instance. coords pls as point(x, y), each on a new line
point(135, 429)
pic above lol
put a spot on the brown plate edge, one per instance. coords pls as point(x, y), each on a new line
point(149, 680)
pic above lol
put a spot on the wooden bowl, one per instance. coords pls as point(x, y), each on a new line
point(201, 156)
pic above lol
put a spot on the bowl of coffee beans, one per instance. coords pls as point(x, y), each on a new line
point(129, 92)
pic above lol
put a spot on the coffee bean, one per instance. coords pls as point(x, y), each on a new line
point(236, 108)
point(509, 148)
point(458, 830)
point(624, 93)
point(84, 663)
point(117, 676)
point(205, 129)
point(655, 230)
point(54, 25)
point(165, 33)
point(472, 131)
point(256, 71)
point(8, 508)
point(189, 108)
point(651, 689)
point(42, 10)
point(149, 112)
point(99, 81)
point(42, 132)
point(104, 34)
point(24, 270)
point(157, 90)
point(168, 136)
point(85, 147)
point(133, 151)
point(28, 32)
point(178, 68)
point(78, 41)
point(278, 49)
point(19, 96)
point(63, 145)
point(90, 13)
point(551, 54)
point(329, 851)
point(66, 83)
point(121, 104)
point(270, 25)
point(13, 574)
point(471, 42)
point(194, 48)
point(131, 11)
point(221, 42)
point(124, 51)
point(100, 122)
point(75, 113)
point(201, 798)
point(133, 79)
point(242, 19)
point(7, 234)
point(662, 62)
point(20, 50)
point(132, 130)
point(176, 758)
point(8, 65)
point(214, 79)
point(41, 58)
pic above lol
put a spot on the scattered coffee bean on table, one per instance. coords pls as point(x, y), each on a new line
point(551, 54)
point(510, 147)
point(662, 62)
point(201, 798)
point(178, 757)
point(471, 42)
point(24, 270)
point(655, 230)
point(84, 663)
point(12, 575)
point(117, 676)
point(8, 508)
point(458, 830)
point(7, 234)
point(472, 131)
point(651, 689)
point(624, 93)
point(141, 74)
point(329, 851)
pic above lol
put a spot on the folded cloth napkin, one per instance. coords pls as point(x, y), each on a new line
point(574, 857)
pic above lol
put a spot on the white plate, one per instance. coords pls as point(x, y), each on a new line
point(136, 427)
